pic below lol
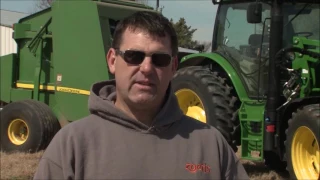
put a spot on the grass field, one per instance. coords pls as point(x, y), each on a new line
point(22, 166)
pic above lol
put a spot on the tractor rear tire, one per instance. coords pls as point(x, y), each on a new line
point(27, 126)
point(205, 96)
point(302, 143)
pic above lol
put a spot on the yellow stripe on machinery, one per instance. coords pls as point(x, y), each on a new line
point(52, 88)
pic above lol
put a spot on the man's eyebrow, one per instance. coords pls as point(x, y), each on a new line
point(165, 52)
point(156, 51)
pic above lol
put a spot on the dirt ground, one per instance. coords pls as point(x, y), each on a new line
point(18, 165)
point(22, 166)
point(258, 171)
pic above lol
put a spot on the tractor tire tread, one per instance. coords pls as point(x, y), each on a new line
point(47, 122)
point(221, 98)
point(313, 110)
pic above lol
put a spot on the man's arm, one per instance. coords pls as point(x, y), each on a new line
point(56, 162)
point(234, 168)
point(231, 166)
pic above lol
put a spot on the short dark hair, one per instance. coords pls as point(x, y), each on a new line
point(153, 23)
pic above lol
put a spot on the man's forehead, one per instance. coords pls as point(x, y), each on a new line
point(129, 42)
point(137, 30)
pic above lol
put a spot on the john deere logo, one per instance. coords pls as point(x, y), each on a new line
point(69, 90)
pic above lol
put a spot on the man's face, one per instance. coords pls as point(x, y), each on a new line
point(144, 84)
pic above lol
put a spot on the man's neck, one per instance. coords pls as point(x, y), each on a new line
point(144, 114)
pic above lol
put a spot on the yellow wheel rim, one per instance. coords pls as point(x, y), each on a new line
point(191, 105)
point(305, 154)
point(18, 132)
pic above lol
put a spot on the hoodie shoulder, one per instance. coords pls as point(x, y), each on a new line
point(82, 123)
point(74, 135)
point(68, 145)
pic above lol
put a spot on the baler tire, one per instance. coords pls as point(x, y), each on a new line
point(304, 124)
point(38, 119)
point(214, 95)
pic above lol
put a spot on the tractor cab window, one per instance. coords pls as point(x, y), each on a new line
point(244, 44)
point(239, 42)
point(301, 20)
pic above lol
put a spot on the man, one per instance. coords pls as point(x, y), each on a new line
point(136, 129)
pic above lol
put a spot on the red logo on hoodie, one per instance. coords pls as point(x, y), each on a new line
point(193, 168)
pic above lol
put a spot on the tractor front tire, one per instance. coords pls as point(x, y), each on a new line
point(27, 126)
point(302, 143)
point(206, 97)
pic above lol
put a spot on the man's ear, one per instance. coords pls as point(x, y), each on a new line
point(175, 64)
point(111, 60)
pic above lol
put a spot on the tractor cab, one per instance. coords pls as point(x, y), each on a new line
point(242, 36)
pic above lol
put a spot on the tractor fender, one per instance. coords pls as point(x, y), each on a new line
point(224, 65)
point(286, 111)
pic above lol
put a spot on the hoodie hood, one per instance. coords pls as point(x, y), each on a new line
point(101, 103)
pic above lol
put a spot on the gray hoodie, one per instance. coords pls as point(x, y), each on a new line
point(108, 144)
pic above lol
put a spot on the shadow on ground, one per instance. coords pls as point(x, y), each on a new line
point(257, 170)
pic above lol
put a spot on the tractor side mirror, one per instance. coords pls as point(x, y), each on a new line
point(254, 13)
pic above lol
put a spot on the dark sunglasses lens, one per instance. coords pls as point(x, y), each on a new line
point(161, 60)
point(134, 57)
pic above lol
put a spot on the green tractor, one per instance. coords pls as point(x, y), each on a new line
point(260, 85)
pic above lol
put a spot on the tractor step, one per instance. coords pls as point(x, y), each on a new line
point(251, 121)
point(250, 139)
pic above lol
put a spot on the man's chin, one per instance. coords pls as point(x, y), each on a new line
point(143, 100)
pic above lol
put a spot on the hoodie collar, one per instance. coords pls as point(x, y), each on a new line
point(101, 103)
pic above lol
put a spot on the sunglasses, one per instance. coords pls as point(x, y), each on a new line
point(136, 57)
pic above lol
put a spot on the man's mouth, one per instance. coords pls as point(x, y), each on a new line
point(145, 83)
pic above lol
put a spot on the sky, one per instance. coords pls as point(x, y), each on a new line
point(199, 14)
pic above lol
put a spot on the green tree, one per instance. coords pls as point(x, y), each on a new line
point(43, 4)
point(185, 36)
point(184, 33)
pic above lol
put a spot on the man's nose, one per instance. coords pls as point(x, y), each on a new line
point(146, 66)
